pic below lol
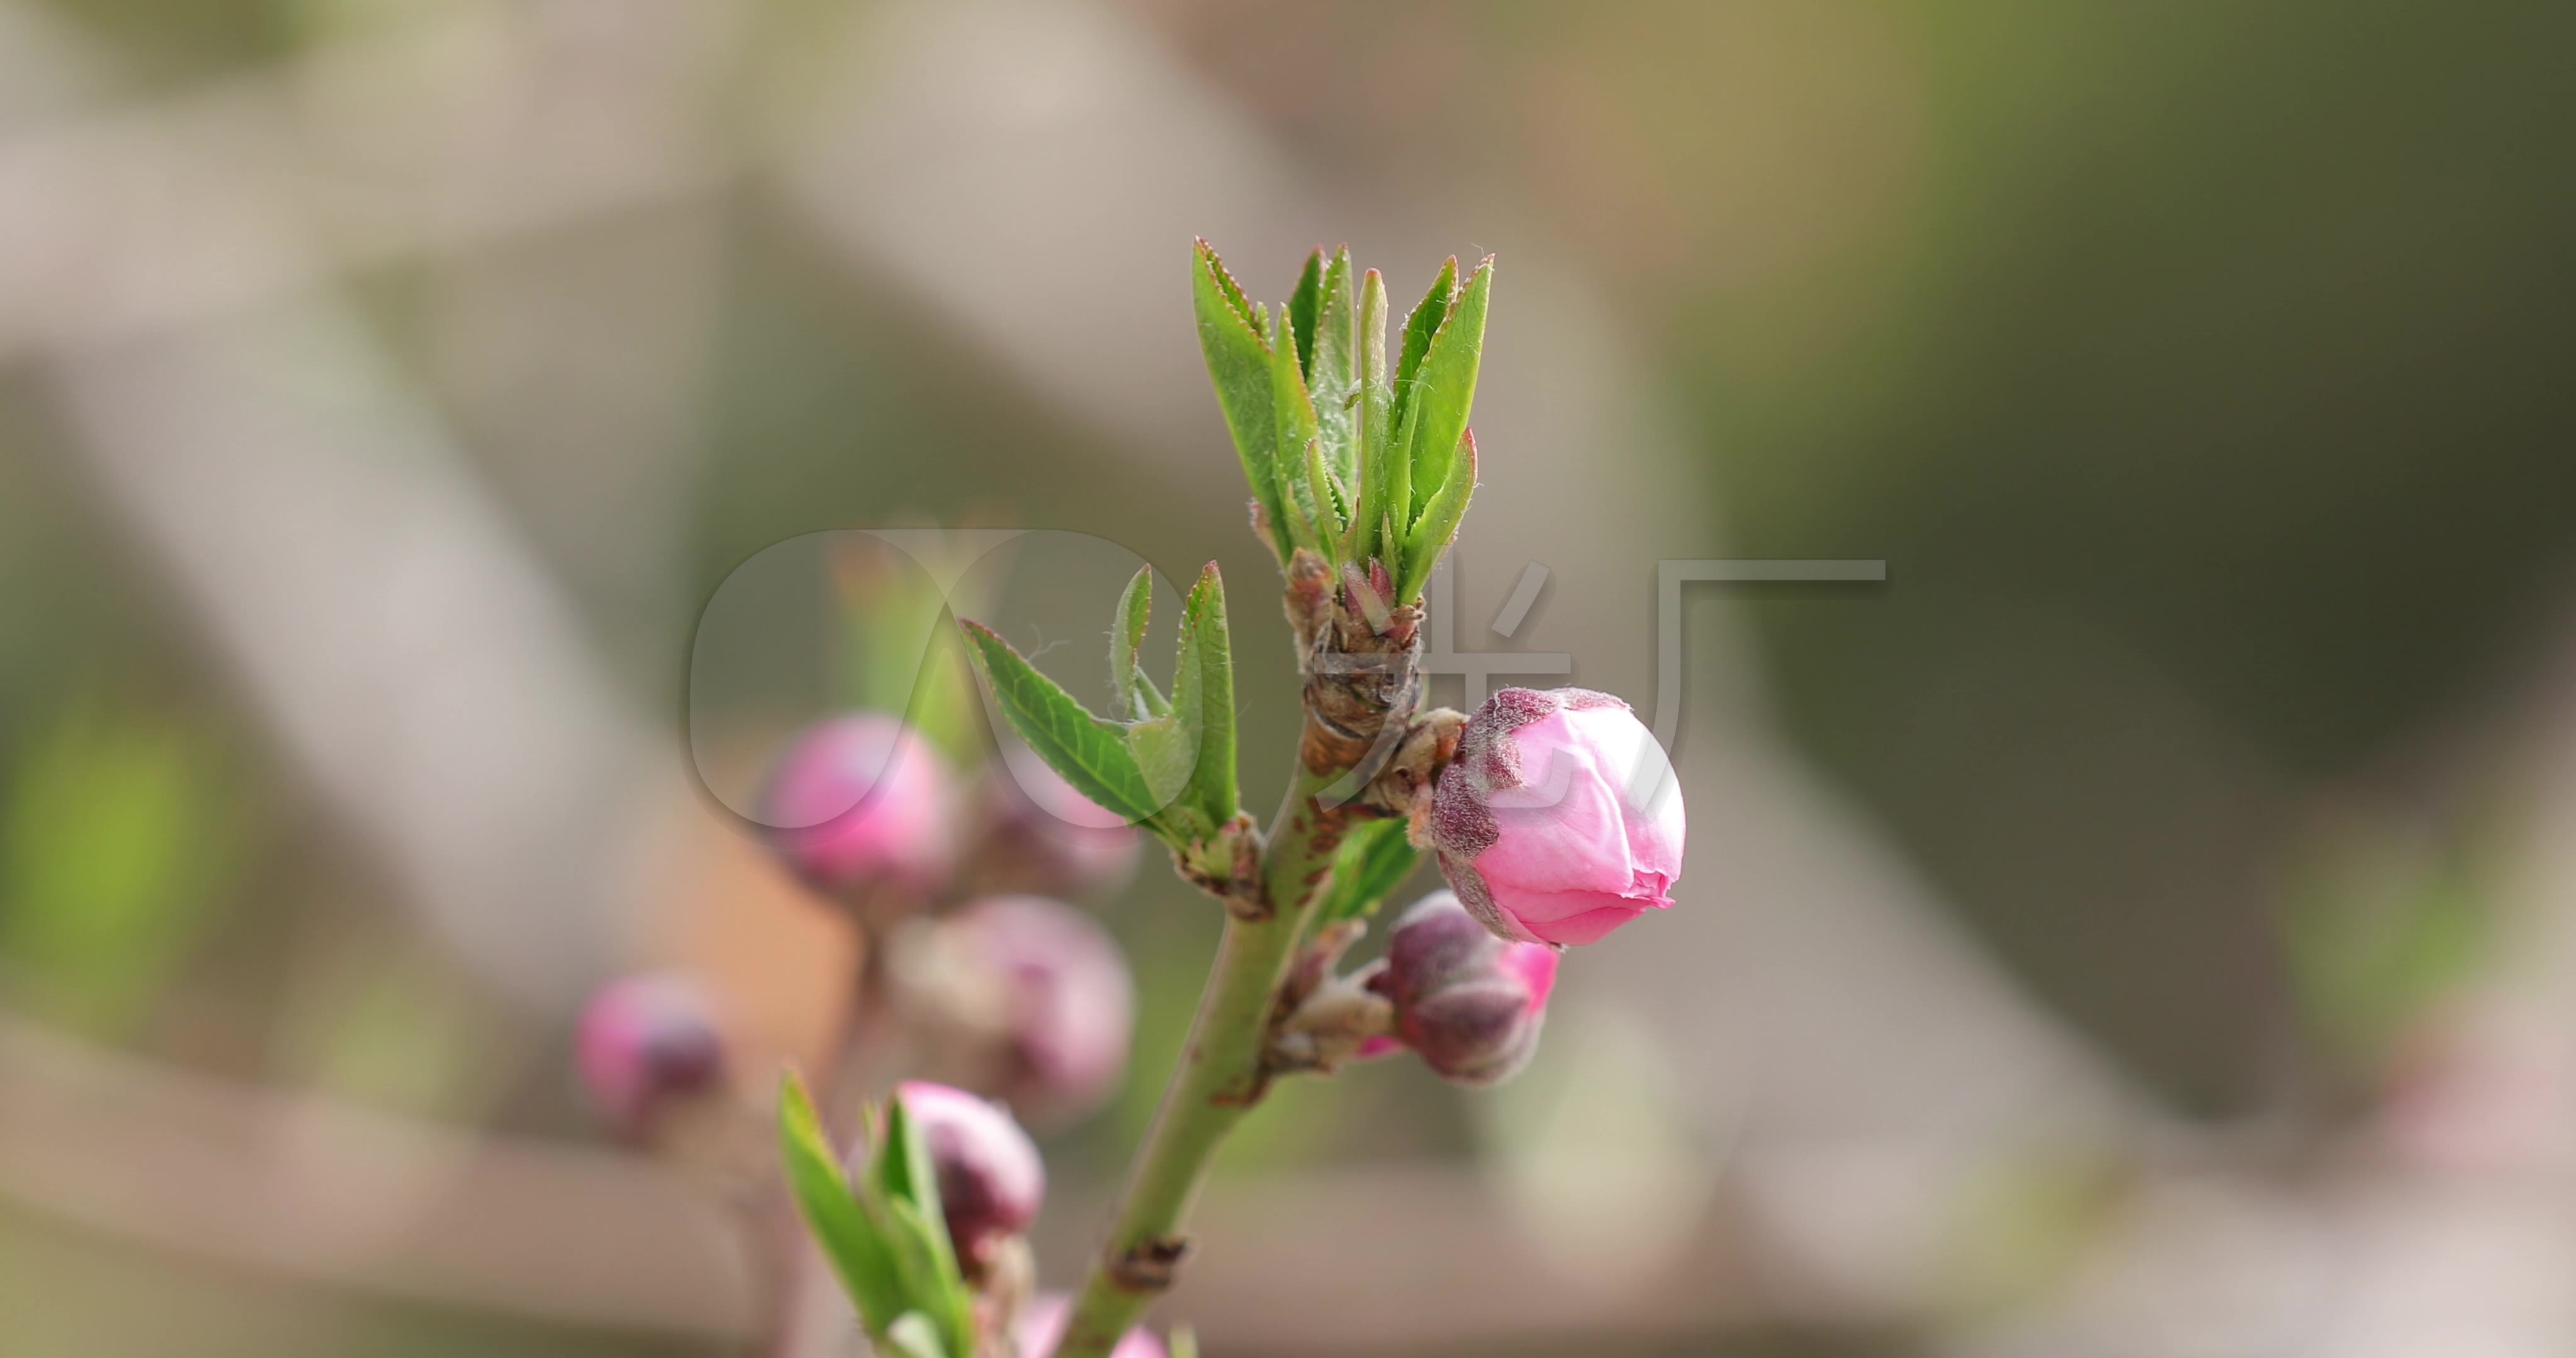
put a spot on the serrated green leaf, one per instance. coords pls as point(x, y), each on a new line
point(1426, 319)
point(859, 1252)
point(1205, 671)
point(1231, 334)
point(1138, 699)
point(1373, 861)
point(1090, 753)
point(1442, 391)
point(1438, 526)
point(1376, 435)
point(1332, 376)
point(1303, 303)
point(1310, 512)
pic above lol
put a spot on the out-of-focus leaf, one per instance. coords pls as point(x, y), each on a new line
point(860, 1255)
point(1438, 526)
point(929, 1271)
point(914, 1335)
point(1443, 388)
point(1091, 754)
point(1184, 1342)
point(117, 834)
point(1239, 362)
point(1373, 861)
point(1137, 697)
point(2379, 924)
point(1303, 303)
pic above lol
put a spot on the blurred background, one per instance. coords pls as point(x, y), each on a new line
point(2143, 925)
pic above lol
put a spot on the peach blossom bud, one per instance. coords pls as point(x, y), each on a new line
point(1468, 1003)
point(1560, 819)
point(1043, 1322)
point(991, 1181)
point(1034, 833)
point(860, 807)
point(1040, 1004)
point(646, 1045)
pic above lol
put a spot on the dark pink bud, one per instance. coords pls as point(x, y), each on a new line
point(991, 1181)
point(861, 805)
point(1560, 818)
point(645, 1046)
point(1035, 833)
point(1041, 1002)
point(1042, 1324)
point(1468, 1003)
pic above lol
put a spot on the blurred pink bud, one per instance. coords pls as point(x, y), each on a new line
point(991, 1181)
point(645, 1045)
point(1042, 1323)
point(1059, 1004)
point(1035, 833)
point(1468, 1003)
point(1560, 819)
point(862, 804)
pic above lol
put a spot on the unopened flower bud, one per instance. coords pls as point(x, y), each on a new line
point(1033, 832)
point(860, 809)
point(1560, 819)
point(1030, 1001)
point(1468, 1003)
point(1043, 1322)
point(991, 1181)
point(645, 1046)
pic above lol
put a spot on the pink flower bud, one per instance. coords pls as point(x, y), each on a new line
point(1039, 1003)
point(1468, 1003)
point(1035, 833)
point(1042, 1323)
point(862, 804)
point(645, 1045)
point(1560, 818)
point(991, 1181)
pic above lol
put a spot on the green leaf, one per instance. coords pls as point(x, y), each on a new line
point(1310, 511)
point(1137, 697)
point(1374, 859)
point(929, 1269)
point(859, 1253)
point(1438, 526)
point(1238, 361)
point(1302, 304)
point(1184, 1343)
point(1205, 671)
point(1332, 374)
point(1419, 327)
point(914, 1335)
point(1442, 390)
point(1090, 753)
point(1376, 428)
